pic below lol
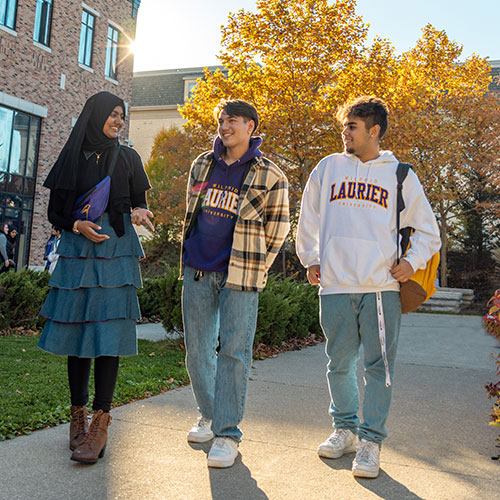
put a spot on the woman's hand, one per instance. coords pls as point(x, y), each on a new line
point(141, 216)
point(87, 228)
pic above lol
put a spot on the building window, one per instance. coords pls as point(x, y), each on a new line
point(43, 21)
point(86, 39)
point(135, 7)
point(111, 53)
point(8, 10)
point(19, 137)
point(189, 86)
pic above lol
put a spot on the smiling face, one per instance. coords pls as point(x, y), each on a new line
point(234, 131)
point(114, 123)
point(358, 140)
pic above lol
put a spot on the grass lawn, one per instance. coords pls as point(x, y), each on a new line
point(33, 384)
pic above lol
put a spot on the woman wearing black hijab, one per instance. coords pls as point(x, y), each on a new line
point(92, 305)
point(11, 246)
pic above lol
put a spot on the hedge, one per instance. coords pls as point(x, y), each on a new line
point(21, 297)
point(162, 295)
point(287, 308)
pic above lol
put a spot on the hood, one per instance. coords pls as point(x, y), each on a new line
point(384, 158)
point(253, 150)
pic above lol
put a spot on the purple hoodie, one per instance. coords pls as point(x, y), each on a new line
point(208, 247)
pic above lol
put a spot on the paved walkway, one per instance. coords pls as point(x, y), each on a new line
point(439, 447)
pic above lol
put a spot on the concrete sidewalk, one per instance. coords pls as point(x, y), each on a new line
point(439, 447)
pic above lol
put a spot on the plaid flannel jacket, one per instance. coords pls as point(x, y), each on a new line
point(262, 220)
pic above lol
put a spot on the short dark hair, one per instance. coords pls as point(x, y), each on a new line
point(371, 109)
point(237, 107)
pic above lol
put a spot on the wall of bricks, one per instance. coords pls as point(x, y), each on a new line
point(34, 74)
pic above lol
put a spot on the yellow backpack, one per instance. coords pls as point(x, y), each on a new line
point(421, 285)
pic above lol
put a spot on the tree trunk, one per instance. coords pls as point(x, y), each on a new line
point(443, 266)
point(283, 255)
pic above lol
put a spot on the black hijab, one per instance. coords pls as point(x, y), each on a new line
point(86, 134)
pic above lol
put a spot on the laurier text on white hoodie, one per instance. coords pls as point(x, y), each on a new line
point(347, 223)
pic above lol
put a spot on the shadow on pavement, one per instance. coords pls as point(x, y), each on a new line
point(342, 463)
point(384, 486)
point(234, 483)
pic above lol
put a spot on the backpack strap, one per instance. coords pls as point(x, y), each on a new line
point(401, 173)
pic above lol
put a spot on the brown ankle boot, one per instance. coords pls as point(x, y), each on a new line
point(94, 444)
point(78, 427)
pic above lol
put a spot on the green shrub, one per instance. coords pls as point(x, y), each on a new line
point(21, 297)
point(162, 295)
point(276, 310)
point(287, 308)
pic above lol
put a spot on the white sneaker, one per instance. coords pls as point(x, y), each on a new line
point(223, 453)
point(340, 442)
point(201, 432)
point(366, 463)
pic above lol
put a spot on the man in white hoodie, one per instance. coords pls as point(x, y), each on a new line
point(346, 238)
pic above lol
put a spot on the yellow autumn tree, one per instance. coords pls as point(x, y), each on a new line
point(281, 59)
point(298, 60)
point(439, 106)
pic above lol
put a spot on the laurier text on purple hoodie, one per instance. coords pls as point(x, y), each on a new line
point(208, 247)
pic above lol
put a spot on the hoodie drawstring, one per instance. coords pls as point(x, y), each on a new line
point(381, 335)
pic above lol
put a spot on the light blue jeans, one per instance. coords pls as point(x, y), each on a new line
point(349, 320)
point(211, 313)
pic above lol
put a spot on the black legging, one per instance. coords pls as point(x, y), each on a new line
point(105, 375)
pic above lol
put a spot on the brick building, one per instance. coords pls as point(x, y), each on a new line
point(54, 54)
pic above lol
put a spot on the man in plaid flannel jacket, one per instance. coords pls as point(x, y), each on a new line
point(236, 222)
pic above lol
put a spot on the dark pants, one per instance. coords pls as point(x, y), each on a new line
point(105, 375)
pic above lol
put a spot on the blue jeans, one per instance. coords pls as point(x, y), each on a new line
point(348, 320)
point(212, 312)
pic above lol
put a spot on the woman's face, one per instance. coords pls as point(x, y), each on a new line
point(5, 228)
point(13, 233)
point(114, 123)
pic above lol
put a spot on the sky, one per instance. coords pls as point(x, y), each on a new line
point(183, 34)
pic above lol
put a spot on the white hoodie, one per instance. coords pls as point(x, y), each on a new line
point(347, 223)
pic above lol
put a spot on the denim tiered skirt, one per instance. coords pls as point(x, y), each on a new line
point(92, 305)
